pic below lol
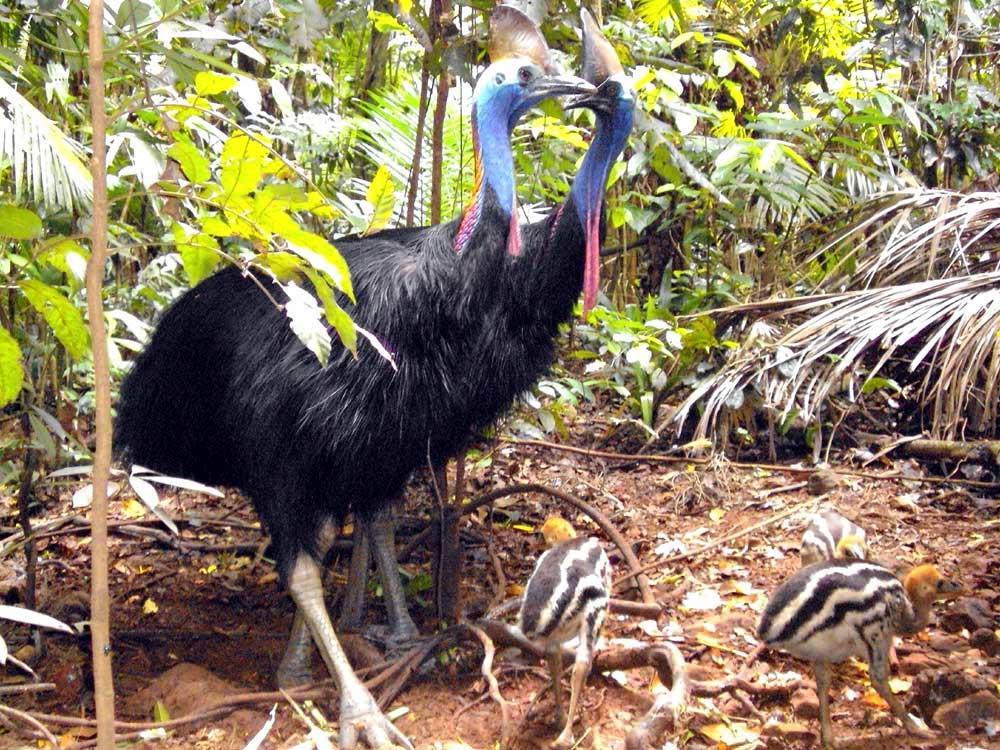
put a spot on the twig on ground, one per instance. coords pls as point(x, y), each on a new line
point(494, 688)
point(669, 705)
point(28, 687)
point(32, 722)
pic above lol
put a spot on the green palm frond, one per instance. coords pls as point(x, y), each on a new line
point(387, 135)
point(938, 339)
point(47, 165)
point(912, 235)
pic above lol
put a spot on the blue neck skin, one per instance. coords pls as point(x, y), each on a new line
point(608, 142)
point(495, 157)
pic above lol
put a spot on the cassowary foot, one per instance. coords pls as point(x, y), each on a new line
point(362, 721)
point(393, 642)
point(565, 740)
point(918, 729)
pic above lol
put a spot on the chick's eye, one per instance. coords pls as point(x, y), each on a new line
point(500, 78)
point(524, 75)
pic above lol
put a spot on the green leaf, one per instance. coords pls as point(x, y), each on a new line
point(384, 22)
point(193, 162)
point(198, 251)
point(63, 318)
point(18, 223)
point(242, 165)
point(335, 314)
point(874, 384)
point(207, 83)
point(381, 198)
point(770, 156)
point(11, 374)
point(65, 255)
point(322, 256)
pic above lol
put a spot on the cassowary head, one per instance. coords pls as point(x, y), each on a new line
point(521, 73)
point(614, 105)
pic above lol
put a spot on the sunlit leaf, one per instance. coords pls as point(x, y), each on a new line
point(11, 373)
point(381, 198)
point(61, 315)
point(18, 223)
point(208, 83)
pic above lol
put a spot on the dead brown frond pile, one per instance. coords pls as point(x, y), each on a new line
point(939, 339)
point(912, 236)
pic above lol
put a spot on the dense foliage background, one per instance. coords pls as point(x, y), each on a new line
point(804, 226)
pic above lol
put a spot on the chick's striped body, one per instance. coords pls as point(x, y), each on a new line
point(836, 609)
point(568, 593)
point(824, 534)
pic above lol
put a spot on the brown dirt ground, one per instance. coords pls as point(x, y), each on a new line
point(223, 611)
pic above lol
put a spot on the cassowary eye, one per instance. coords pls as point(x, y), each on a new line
point(524, 75)
point(500, 78)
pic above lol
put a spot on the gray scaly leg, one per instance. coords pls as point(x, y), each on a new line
point(360, 717)
point(352, 610)
point(296, 663)
point(382, 529)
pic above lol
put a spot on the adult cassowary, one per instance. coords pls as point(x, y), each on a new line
point(226, 394)
point(558, 256)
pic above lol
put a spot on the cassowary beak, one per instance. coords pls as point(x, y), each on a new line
point(601, 101)
point(546, 87)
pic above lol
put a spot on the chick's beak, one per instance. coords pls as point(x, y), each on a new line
point(545, 87)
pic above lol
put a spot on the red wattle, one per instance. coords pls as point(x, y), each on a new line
point(514, 235)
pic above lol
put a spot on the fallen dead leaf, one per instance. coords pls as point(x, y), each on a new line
point(730, 735)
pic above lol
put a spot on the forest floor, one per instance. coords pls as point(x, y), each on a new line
point(192, 626)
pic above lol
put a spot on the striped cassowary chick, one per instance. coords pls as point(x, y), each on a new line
point(566, 597)
point(829, 535)
point(830, 611)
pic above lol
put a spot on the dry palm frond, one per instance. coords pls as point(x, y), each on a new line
point(913, 235)
point(46, 163)
point(941, 338)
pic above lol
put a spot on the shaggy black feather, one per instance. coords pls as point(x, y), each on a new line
point(226, 394)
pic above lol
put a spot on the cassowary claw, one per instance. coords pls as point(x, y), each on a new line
point(362, 720)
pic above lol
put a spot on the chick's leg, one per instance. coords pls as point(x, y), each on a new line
point(553, 655)
point(823, 693)
point(878, 671)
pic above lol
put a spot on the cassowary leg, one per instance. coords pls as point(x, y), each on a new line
point(878, 671)
point(553, 655)
point(823, 693)
point(360, 717)
point(382, 530)
point(352, 609)
point(296, 663)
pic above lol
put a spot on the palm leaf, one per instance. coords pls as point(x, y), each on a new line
point(939, 338)
point(912, 235)
point(47, 165)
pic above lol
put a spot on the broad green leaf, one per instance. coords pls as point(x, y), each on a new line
point(406, 6)
point(381, 198)
point(11, 374)
point(243, 161)
point(335, 314)
point(18, 223)
point(792, 154)
point(284, 266)
point(65, 255)
point(306, 319)
point(63, 318)
point(207, 83)
point(322, 256)
point(384, 22)
point(198, 251)
point(193, 162)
